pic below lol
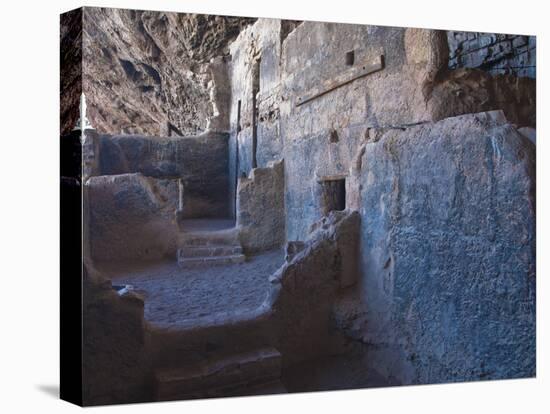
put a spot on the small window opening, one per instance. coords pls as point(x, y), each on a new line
point(350, 58)
point(333, 195)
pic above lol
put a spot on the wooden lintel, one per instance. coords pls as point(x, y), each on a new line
point(342, 80)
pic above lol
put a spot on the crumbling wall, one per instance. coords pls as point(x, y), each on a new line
point(306, 287)
point(496, 53)
point(261, 208)
point(448, 251)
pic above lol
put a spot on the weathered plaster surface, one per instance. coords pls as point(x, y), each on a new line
point(448, 259)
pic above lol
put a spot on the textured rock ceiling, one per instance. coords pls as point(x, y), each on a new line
point(144, 71)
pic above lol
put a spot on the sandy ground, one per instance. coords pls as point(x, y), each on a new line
point(173, 294)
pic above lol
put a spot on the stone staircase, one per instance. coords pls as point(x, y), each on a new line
point(209, 243)
point(253, 372)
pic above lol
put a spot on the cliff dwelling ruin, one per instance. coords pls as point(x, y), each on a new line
point(280, 206)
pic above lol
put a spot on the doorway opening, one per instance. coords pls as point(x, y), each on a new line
point(333, 195)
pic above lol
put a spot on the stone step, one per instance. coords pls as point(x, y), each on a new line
point(209, 251)
point(253, 372)
point(209, 260)
point(217, 238)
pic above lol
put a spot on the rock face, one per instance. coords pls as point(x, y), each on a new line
point(70, 68)
point(448, 251)
point(465, 91)
point(146, 72)
point(494, 52)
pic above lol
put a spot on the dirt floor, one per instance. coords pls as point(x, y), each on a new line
point(173, 294)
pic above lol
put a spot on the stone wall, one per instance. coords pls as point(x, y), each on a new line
point(261, 208)
point(322, 136)
point(448, 258)
point(495, 53)
point(114, 364)
point(254, 74)
point(447, 208)
point(200, 161)
point(319, 138)
point(131, 217)
point(307, 286)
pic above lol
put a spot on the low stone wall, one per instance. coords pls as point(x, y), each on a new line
point(306, 288)
point(131, 217)
point(261, 208)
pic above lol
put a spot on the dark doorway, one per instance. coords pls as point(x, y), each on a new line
point(333, 195)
